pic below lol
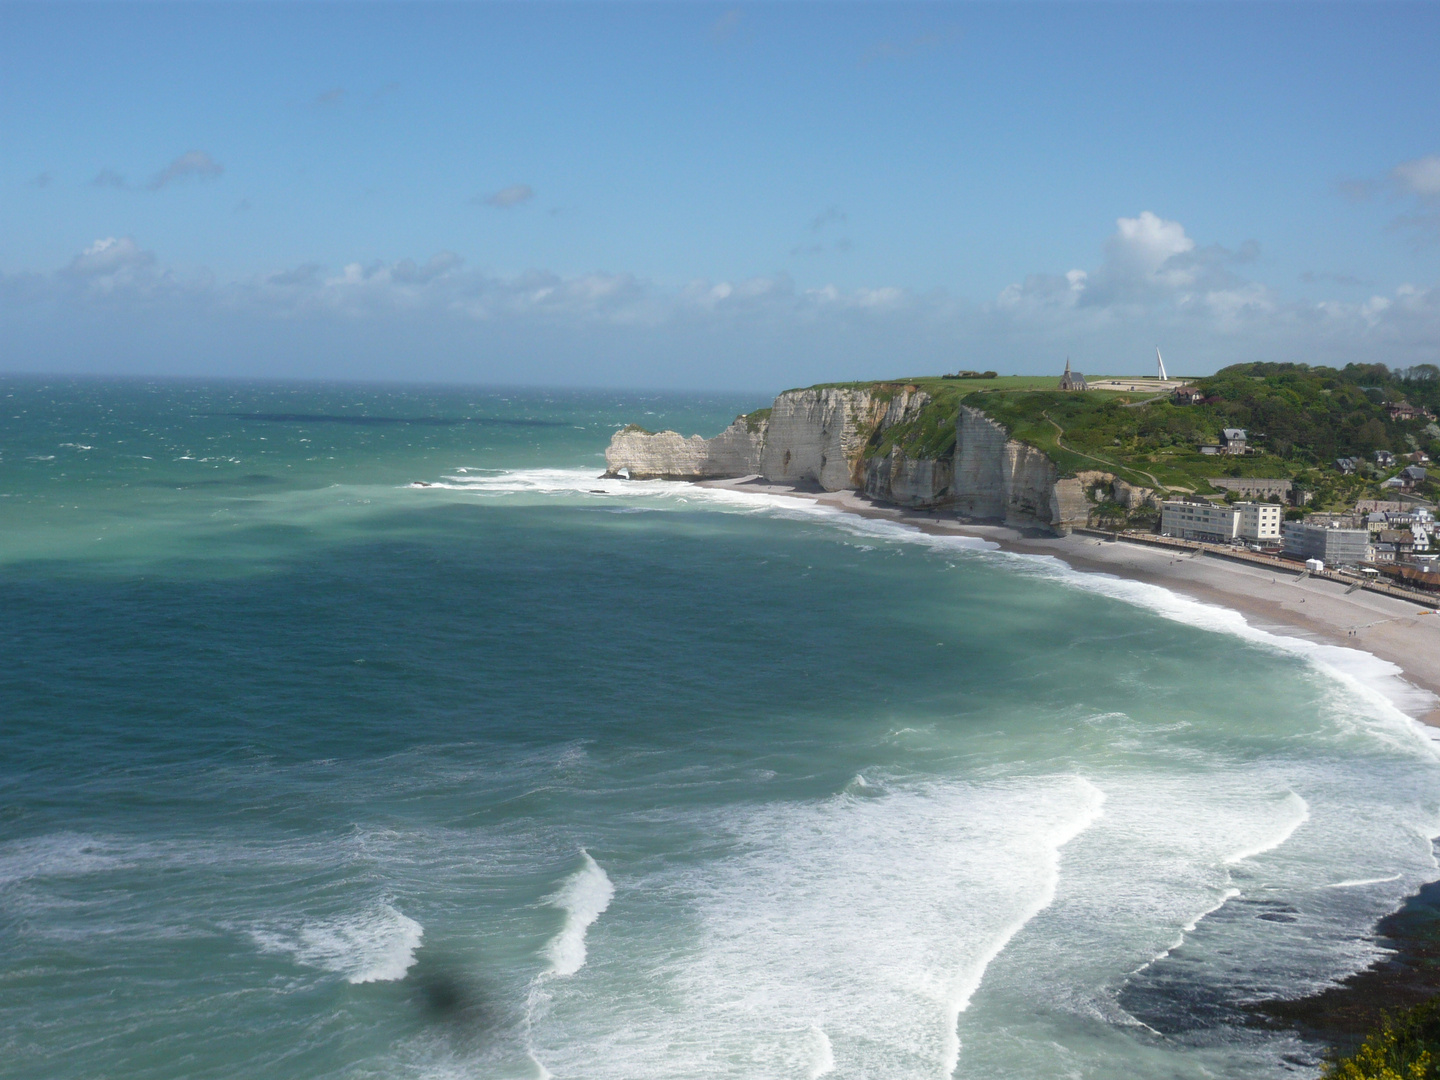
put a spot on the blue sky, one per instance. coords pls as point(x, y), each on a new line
point(716, 196)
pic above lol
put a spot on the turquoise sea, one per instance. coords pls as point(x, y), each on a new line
point(309, 771)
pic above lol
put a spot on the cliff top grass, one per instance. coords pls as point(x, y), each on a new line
point(1300, 419)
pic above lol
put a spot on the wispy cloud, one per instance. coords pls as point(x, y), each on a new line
point(109, 178)
point(407, 273)
point(909, 48)
point(1358, 191)
point(831, 215)
point(333, 96)
point(1319, 277)
point(727, 26)
point(1416, 182)
point(44, 180)
point(1420, 181)
point(506, 197)
point(109, 257)
point(196, 163)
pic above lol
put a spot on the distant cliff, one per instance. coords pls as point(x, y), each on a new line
point(890, 440)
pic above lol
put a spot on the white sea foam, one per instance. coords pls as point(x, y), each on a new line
point(374, 945)
point(868, 921)
point(1296, 812)
point(873, 919)
point(584, 897)
point(1364, 881)
point(821, 1053)
point(1086, 815)
point(61, 855)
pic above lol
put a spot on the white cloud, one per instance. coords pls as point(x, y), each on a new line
point(1153, 282)
point(513, 195)
point(1148, 262)
point(195, 163)
point(1419, 177)
point(108, 257)
point(406, 272)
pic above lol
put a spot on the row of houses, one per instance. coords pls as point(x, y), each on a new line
point(1407, 479)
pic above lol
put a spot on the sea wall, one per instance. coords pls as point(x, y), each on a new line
point(819, 437)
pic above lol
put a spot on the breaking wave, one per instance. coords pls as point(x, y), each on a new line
point(376, 945)
point(584, 898)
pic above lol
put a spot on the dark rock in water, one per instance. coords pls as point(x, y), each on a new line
point(1343, 1015)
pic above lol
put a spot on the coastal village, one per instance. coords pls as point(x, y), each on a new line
point(1390, 535)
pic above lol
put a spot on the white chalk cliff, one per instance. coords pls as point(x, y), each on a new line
point(820, 437)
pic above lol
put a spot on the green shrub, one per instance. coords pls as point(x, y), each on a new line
point(1403, 1048)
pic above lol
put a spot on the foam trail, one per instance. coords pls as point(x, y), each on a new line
point(1378, 681)
point(970, 981)
point(583, 897)
point(1364, 881)
point(1299, 814)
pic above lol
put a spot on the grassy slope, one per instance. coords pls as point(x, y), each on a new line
point(1301, 417)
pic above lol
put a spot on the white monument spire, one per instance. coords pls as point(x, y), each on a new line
point(1160, 360)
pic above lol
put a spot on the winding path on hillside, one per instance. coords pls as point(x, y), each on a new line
point(1060, 442)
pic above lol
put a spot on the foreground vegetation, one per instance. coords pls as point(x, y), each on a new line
point(1406, 1047)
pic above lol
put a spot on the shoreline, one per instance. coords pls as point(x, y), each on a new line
point(1397, 631)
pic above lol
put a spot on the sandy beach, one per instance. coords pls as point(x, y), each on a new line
point(1400, 631)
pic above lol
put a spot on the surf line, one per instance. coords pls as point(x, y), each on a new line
point(1300, 814)
point(583, 897)
point(1090, 812)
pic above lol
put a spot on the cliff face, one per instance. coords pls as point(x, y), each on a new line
point(820, 435)
point(998, 477)
point(817, 436)
point(811, 437)
point(921, 483)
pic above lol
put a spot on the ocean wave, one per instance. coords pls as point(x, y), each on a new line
point(843, 935)
point(1089, 809)
point(1381, 682)
point(374, 945)
point(1296, 813)
point(584, 897)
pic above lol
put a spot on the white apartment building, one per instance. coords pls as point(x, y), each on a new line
point(1219, 523)
point(1259, 521)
